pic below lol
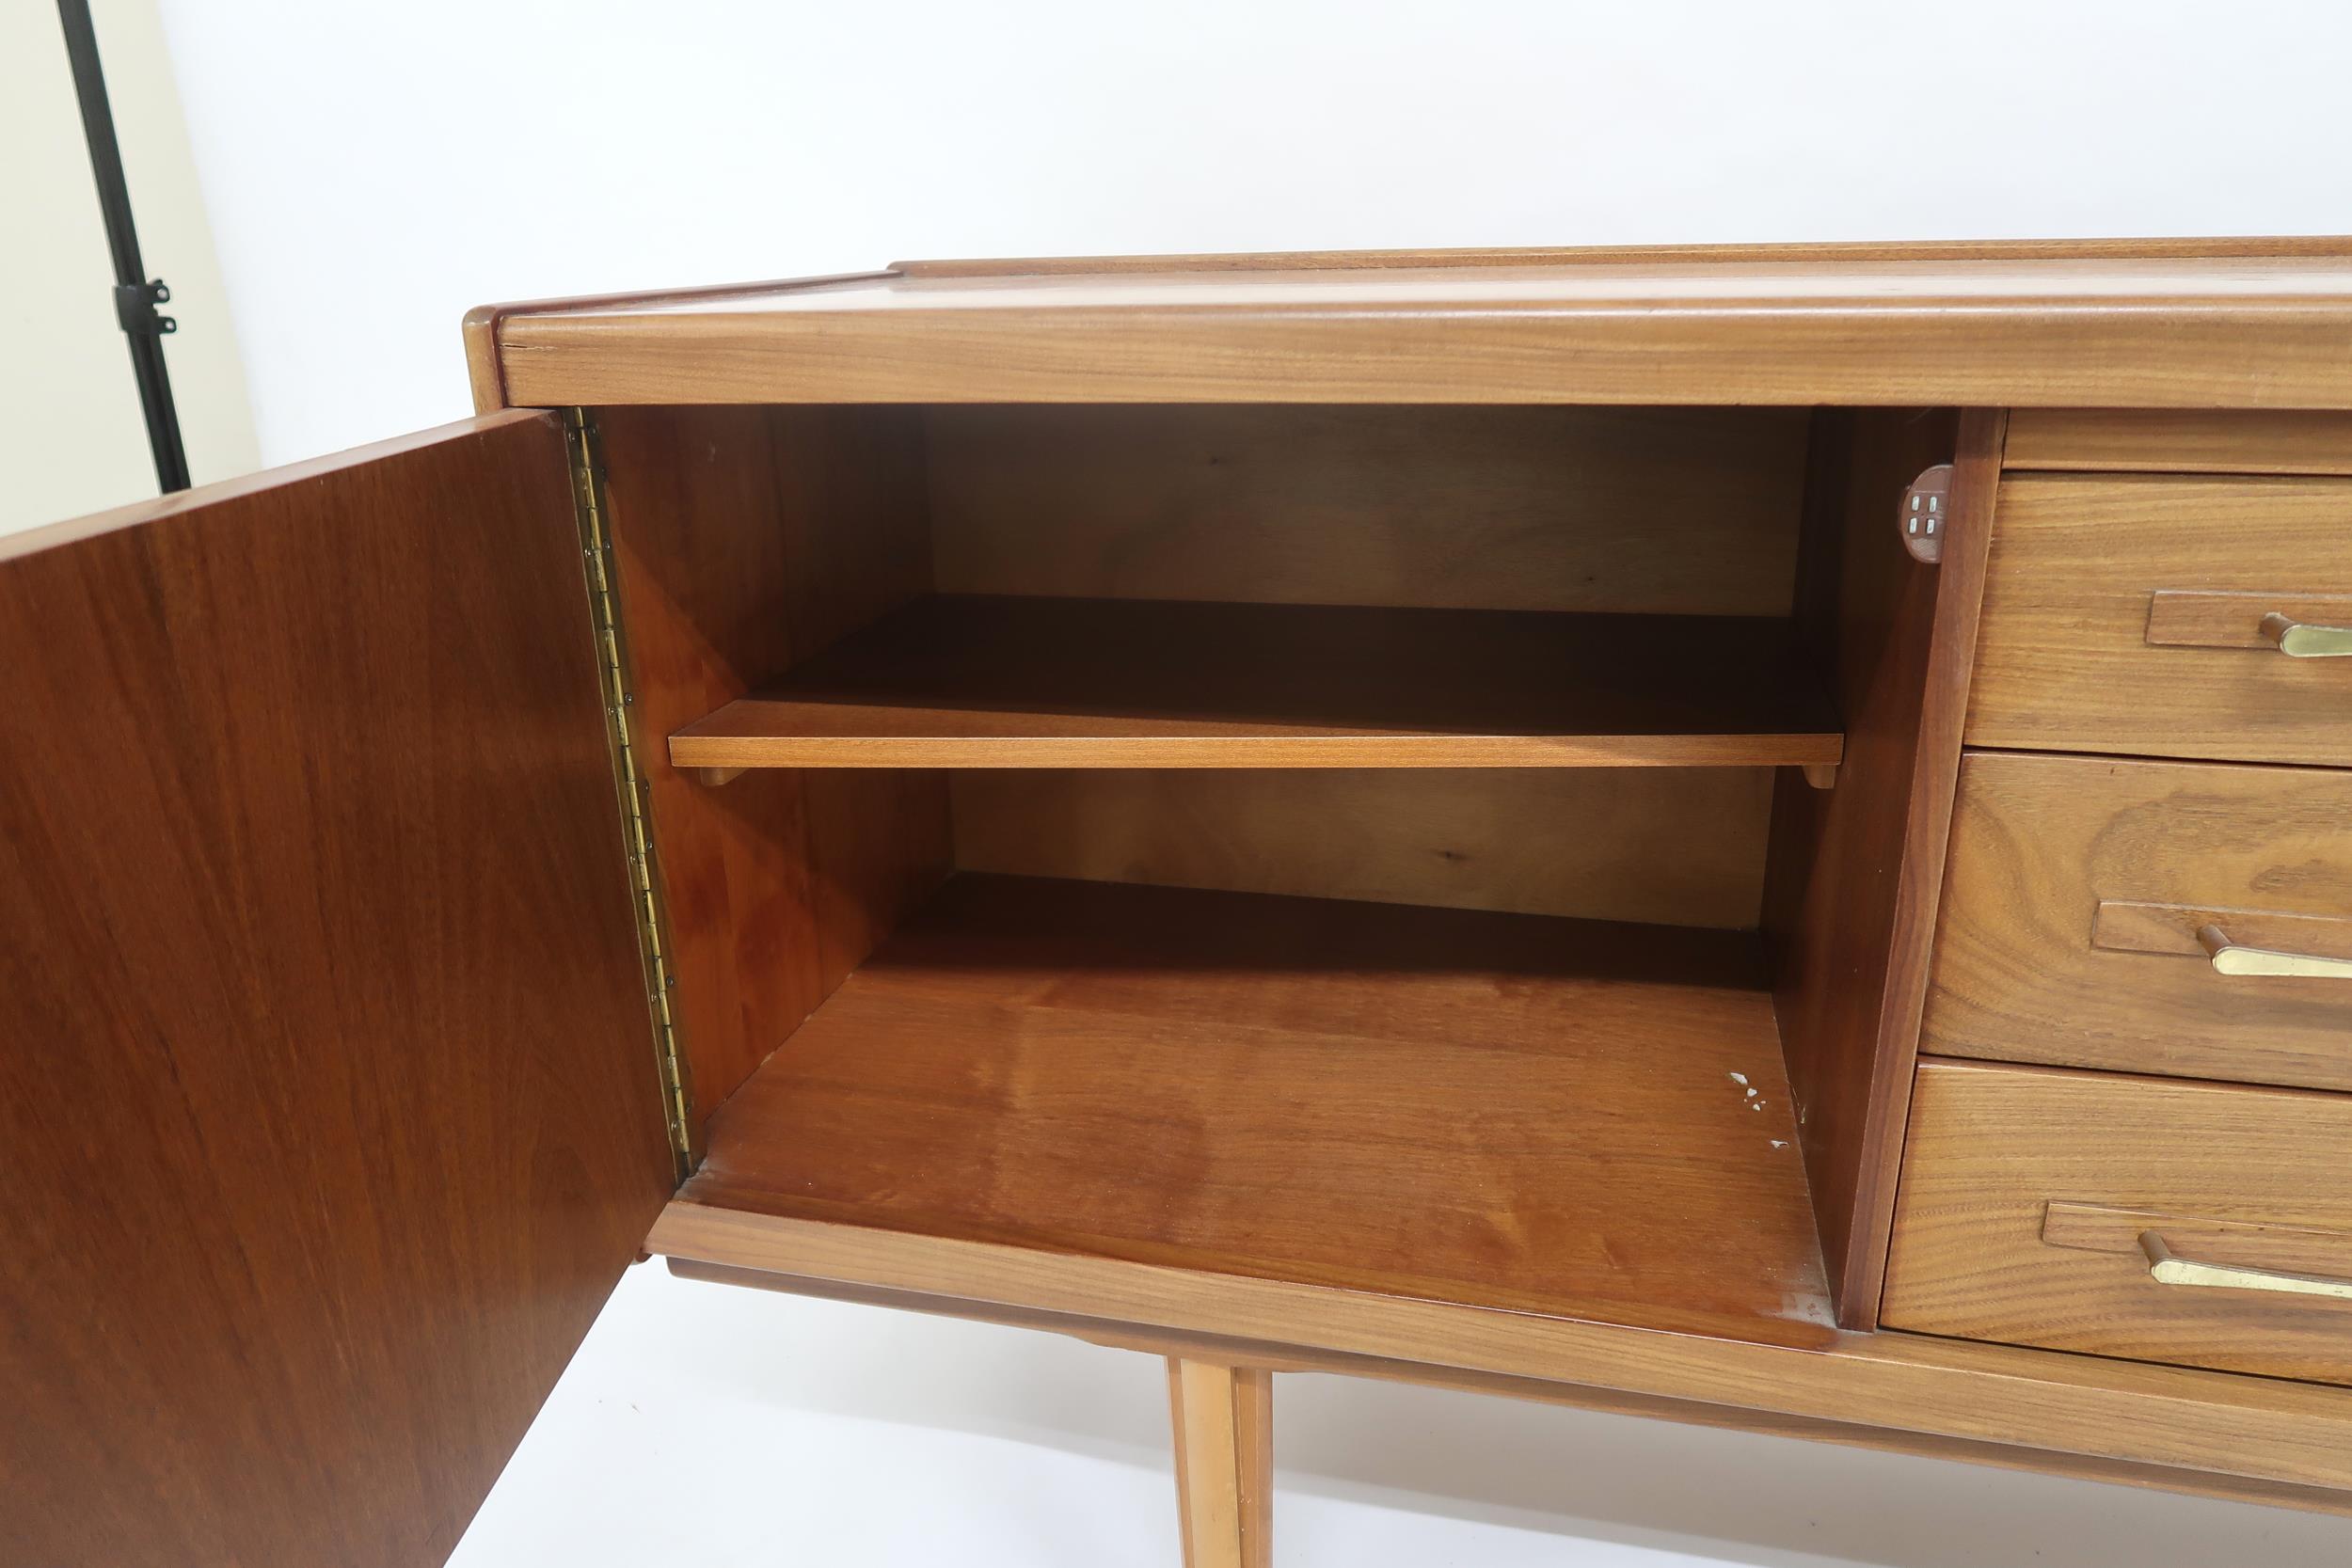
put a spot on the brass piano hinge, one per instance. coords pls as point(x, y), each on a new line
point(644, 880)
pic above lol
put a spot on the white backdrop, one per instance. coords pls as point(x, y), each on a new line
point(72, 439)
point(372, 172)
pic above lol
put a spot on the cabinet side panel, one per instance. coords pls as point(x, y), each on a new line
point(329, 1111)
point(1854, 872)
point(746, 539)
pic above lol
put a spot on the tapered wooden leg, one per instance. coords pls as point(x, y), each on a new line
point(1224, 1422)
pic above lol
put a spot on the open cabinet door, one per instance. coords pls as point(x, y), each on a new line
point(328, 1107)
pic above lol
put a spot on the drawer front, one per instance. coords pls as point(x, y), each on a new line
point(2075, 896)
point(2126, 614)
point(2035, 1205)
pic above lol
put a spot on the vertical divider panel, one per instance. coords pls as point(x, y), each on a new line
point(1854, 874)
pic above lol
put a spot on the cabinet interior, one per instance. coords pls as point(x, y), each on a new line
point(1362, 845)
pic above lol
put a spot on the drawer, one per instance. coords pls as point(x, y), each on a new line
point(2125, 613)
point(2035, 1207)
point(2075, 896)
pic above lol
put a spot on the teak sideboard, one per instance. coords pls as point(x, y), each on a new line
point(1753, 836)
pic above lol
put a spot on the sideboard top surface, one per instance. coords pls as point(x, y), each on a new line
point(2253, 324)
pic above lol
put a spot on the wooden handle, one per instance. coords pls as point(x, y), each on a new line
point(2229, 959)
point(2303, 640)
point(2165, 1269)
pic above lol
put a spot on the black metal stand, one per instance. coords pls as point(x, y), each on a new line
point(136, 294)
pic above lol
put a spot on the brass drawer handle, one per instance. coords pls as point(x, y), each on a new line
point(2229, 959)
point(2165, 1269)
point(2302, 639)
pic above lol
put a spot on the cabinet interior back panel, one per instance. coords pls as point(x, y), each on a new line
point(1669, 846)
point(1649, 510)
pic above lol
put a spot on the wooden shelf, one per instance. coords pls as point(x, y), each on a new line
point(1569, 1117)
point(984, 681)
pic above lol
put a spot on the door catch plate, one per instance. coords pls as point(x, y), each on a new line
point(1926, 512)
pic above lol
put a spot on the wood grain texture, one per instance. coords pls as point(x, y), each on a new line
point(1673, 846)
point(2122, 925)
point(2089, 329)
point(2221, 1171)
point(1563, 1118)
point(2247, 1243)
point(484, 378)
point(1222, 1419)
point(1292, 1358)
point(2200, 620)
point(1253, 1426)
point(2107, 1411)
point(2065, 661)
point(487, 373)
point(746, 539)
point(2031, 968)
point(2201, 440)
point(1021, 682)
point(1856, 872)
point(1650, 510)
point(329, 1112)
